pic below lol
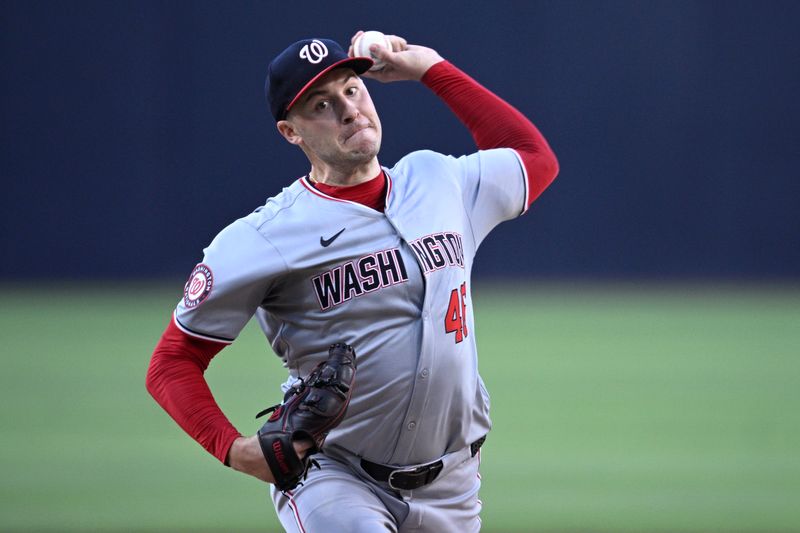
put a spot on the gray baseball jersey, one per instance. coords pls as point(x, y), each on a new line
point(395, 285)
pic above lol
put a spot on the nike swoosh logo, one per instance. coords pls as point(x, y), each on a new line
point(327, 242)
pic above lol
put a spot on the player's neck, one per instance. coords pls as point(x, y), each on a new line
point(344, 176)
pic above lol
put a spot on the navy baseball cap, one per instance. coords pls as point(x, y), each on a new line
point(295, 69)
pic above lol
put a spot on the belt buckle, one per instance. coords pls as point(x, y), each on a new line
point(416, 470)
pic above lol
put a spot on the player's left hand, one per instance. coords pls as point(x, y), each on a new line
point(245, 455)
point(312, 407)
point(403, 62)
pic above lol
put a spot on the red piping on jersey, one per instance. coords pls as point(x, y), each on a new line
point(369, 194)
point(527, 180)
point(195, 334)
point(311, 188)
point(494, 123)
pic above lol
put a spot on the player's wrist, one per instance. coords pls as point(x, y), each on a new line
point(423, 60)
point(235, 453)
point(435, 70)
point(245, 456)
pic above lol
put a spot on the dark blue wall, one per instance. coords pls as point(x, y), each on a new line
point(133, 131)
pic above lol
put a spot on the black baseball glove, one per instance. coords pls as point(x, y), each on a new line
point(310, 409)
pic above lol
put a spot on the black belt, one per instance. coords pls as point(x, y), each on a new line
point(410, 478)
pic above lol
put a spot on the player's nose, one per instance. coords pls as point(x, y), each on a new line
point(349, 112)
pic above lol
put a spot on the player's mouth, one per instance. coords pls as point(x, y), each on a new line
point(356, 131)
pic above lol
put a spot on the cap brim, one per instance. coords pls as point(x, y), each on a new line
point(359, 65)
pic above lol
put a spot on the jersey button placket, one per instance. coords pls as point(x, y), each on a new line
point(420, 393)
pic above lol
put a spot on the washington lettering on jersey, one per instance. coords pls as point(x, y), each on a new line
point(359, 277)
point(438, 251)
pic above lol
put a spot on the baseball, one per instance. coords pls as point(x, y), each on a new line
point(365, 40)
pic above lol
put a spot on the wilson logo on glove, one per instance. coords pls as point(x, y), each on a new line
point(310, 409)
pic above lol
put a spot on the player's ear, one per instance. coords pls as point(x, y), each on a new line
point(288, 131)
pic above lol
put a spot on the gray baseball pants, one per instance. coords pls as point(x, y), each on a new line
point(342, 497)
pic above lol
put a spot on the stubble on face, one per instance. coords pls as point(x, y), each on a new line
point(337, 122)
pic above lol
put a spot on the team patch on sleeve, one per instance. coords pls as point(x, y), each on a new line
point(199, 286)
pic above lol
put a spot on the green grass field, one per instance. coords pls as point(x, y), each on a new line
point(623, 407)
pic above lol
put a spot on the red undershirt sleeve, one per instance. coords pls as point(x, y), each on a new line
point(494, 123)
point(175, 379)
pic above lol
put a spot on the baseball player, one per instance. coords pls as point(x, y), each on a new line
point(371, 259)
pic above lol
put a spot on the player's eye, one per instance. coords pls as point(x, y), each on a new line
point(350, 91)
point(321, 105)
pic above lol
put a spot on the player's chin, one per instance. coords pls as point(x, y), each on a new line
point(363, 145)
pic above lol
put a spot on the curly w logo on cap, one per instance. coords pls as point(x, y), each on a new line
point(314, 52)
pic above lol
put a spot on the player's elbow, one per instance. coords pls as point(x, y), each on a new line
point(159, 372)
point(550, 167)
point(151, 379)
point(546, 169)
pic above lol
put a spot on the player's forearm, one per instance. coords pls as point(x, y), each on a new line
point(494, 123)
point(175, 380)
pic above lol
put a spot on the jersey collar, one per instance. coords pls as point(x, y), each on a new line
point(305, 181)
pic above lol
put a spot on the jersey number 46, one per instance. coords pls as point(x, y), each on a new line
point(455, 320)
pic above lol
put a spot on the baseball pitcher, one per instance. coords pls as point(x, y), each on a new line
point(359, 275)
